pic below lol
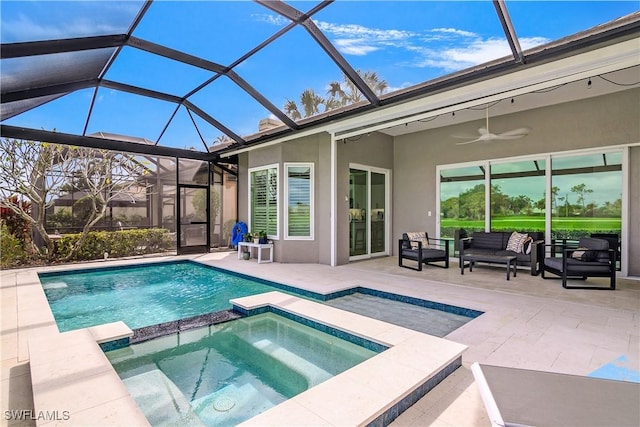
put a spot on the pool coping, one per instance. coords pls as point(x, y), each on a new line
point(413, 364)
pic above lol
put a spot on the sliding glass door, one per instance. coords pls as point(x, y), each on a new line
point(368, 212)
point(567, 196)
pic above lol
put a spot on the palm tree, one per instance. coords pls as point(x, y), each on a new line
point(347, 93)
point(339, 94)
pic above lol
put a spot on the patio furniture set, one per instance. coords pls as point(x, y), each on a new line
point(594, 256)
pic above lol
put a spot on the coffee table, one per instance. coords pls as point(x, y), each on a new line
point(508, 260)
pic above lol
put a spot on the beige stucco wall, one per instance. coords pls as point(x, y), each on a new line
point(590, 123)
point(313, 149)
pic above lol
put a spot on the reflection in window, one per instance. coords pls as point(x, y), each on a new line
point(462, 200)
point(586, 195)
point(518, 196)
point(264, 200)
point(299, 196)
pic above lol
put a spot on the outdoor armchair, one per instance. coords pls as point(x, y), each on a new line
point(590, 258)
point(418, 246)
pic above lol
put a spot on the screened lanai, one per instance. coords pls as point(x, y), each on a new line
point(191, 82)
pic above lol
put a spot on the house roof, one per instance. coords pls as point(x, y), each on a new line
point(172, 85)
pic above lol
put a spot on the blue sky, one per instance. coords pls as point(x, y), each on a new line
point(405, 42)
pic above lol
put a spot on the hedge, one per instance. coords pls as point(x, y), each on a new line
point(115, 243)
point(12, 250)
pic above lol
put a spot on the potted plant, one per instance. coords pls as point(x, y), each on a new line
point(263, 237)
point(256, 237)
point(248, 237)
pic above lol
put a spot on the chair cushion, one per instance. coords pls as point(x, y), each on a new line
point(516, 242)
point(577, 267)
point(593, 243)
point(428, 254)
point(416, 236)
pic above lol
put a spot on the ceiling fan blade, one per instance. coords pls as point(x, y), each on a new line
point(520, 132)
point(469, 142)
point(464, 136)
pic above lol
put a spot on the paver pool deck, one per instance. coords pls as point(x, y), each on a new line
point(527, 323)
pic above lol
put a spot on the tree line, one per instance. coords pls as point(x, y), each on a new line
point(470, 204)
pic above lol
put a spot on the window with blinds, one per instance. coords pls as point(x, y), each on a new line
point(264, 200)
point(299, 197)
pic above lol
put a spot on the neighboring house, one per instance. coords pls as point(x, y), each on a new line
point(365, 180)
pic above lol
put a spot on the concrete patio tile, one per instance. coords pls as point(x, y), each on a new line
point(16, 395)
point(324, 401)
point(287, 414)
point(118, 412)
point(77, 393)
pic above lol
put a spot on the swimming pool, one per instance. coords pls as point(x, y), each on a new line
point(143, 295)
point(225, 374)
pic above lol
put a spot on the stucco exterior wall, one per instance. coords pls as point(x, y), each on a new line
point(590, 123)
point(313, 149)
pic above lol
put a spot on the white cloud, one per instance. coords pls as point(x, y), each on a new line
point(357, 47)
point(453, 31)
point(277, 20)
point(446, 48)
point(24, 28)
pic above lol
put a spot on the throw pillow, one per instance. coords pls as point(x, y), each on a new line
point(516, 242)
point(415, 236)
point(583, 254)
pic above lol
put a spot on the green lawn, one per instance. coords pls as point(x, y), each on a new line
point(537, 223)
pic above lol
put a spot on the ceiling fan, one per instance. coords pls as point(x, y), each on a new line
point(486, 136)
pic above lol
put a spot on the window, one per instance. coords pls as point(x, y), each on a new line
point(462, 199)
point(586, 195)
point(518, 195)
point(299, 197)
point(263, 200)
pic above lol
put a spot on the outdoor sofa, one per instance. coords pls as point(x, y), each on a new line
point(528, 250)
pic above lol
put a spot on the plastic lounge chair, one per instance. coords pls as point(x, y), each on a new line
point(590, 258)
point(521, 397)
point(417, 246)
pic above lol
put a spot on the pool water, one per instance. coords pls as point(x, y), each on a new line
point(142, 295)
point(431, 321)
point(225, 374)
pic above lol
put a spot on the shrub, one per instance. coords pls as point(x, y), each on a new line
point(116, 243)
point(11, 248)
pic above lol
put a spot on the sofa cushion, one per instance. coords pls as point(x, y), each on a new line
point(494, 240)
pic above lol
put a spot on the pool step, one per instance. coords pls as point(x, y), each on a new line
point(161, 400)
point(312, 373)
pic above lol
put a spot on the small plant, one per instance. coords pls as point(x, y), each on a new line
point(263, 237)
point(248, 237)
